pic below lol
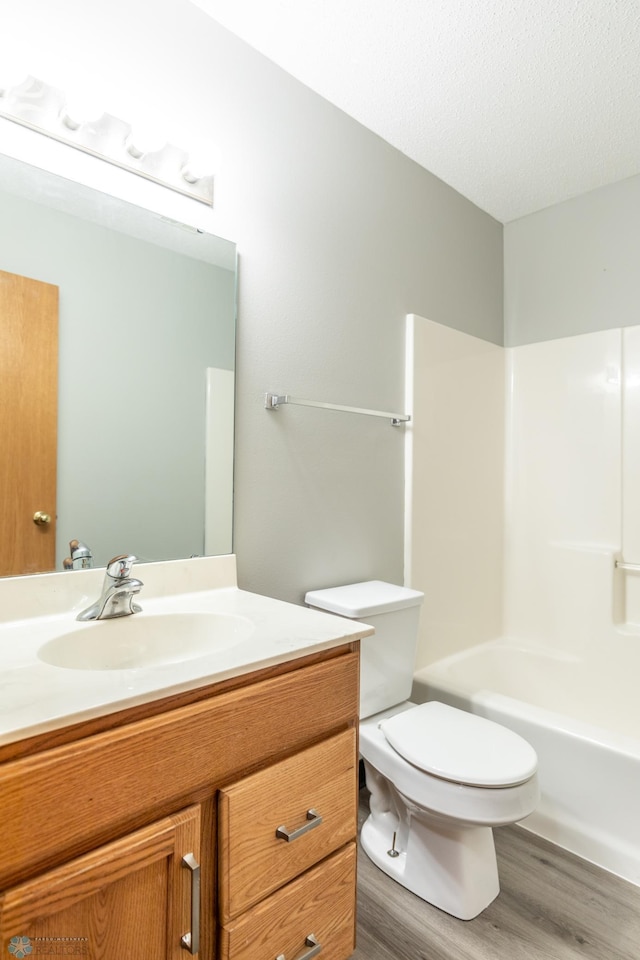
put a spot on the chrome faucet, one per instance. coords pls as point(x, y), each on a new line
point(81, 557)
point(118, 591)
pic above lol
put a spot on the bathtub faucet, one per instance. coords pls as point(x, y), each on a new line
point(118, 591)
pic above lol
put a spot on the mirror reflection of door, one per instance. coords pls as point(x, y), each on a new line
point(28, 423)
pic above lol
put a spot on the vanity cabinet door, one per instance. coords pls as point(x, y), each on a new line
point(313, 915)
point(276, 823)
point(132, 898)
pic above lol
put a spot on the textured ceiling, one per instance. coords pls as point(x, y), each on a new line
point(516, 104)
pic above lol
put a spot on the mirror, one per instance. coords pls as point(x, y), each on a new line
point(146, 313)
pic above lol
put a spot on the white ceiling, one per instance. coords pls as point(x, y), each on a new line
point(517, 104)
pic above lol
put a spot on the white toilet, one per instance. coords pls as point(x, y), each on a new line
point(440, 778)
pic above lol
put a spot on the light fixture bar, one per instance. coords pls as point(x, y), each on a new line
point(40, 107)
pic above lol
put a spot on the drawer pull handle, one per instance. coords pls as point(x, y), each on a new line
point(310, 941)
point(314, 820)
point(191, 941)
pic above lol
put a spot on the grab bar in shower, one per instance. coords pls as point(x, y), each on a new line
point(273, 400)
point(633, 567)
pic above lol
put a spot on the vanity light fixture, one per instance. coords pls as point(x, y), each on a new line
point(40, 107)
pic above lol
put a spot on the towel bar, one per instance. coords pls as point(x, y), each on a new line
point(273, 400)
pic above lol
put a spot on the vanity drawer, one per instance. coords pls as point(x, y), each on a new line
point(311, 797)
point(320, 906)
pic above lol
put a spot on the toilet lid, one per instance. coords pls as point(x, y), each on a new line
point(460, 746)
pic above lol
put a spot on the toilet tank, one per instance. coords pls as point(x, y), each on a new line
point(387, 658)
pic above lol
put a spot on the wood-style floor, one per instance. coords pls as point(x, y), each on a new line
point(552, 906)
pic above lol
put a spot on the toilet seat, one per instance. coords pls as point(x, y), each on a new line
point(460, 747)
point(445, 798)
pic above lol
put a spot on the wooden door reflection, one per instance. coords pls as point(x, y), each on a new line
point(28, 423)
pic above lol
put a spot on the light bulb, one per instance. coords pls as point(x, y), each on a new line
point(79, 107)
point(145, 138)
point(198, 165)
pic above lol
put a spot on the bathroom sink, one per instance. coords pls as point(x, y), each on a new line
point(138, 641)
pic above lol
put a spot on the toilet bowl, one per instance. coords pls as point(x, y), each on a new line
point(439, 778)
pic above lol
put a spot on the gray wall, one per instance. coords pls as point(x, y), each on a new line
point(574, 267)
point(339, 237)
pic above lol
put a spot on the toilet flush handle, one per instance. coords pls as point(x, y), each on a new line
point(314, 820)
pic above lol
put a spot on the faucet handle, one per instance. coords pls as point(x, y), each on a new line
point(119, 568)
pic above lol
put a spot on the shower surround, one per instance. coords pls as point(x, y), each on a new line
point(523, 493)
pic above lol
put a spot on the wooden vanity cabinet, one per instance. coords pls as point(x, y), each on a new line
point(112, 840)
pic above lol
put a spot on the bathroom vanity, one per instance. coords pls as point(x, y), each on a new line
point(214, 818)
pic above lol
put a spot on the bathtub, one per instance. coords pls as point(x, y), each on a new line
point(582, 718)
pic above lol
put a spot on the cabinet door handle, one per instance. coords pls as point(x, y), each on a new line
point(314, 820)
point(191, 941)
point(310, 941)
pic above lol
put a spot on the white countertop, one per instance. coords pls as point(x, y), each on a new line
point(36, 697)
